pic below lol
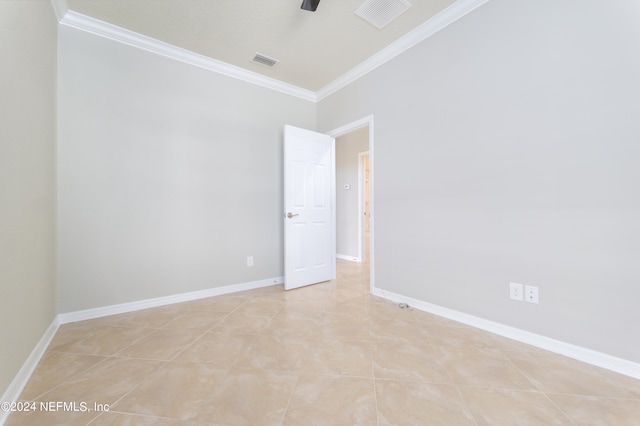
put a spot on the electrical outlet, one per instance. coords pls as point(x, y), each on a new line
point(515, 291)
point(250, 261)
point(531, 293)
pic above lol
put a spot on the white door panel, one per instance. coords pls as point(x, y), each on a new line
point(309, 213)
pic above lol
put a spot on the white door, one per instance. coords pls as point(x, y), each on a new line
point(309, 215)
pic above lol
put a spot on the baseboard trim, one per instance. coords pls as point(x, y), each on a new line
point(599, 359)
point(349, 258)
point(24, 374)
point(162, 301)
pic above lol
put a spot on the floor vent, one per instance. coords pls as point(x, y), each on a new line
point(379, 13)
point(264, 60)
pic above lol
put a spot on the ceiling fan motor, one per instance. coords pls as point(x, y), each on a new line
point(310, 5)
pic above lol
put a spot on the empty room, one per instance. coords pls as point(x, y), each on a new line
point(288, 212)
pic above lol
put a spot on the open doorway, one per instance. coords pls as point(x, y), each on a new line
point(364, 202)
point(354, 193)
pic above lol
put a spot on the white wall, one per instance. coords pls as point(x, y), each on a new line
point(169, 175)
point(507, 150)
point(27, 180)
point(348, 147)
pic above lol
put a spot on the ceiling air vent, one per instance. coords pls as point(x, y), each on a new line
point(264, 60)
point(381, 12)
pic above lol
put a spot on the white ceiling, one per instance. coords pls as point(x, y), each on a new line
point(314, 48)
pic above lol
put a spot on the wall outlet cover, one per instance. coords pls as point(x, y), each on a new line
point(516, 291)
point(531, 293)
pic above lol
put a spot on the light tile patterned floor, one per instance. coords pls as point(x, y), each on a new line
point(328, 354)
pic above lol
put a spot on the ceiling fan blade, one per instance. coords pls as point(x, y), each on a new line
point(310, 5)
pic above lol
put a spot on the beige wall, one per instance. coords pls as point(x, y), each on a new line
point(169, 175)
point(507, 150)
point(27, 179)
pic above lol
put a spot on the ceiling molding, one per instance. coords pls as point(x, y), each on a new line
point(60, 8)
point(427, 29)
point(94, 26)
point(449, 15)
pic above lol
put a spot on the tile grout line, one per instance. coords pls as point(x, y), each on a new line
point(228, 369)
point(537, 387)
point(375, 383)
point(464, 401)
point(559, 409)
point(71, 377)
point(320, 316)
point(164, 362)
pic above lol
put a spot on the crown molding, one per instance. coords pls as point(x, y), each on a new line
point(103, 29)
point(94, 26)
point(60, 8)
point(448, 16)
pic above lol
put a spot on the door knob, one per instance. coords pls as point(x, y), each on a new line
point(290, 215)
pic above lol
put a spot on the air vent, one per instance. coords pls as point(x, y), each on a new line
point(379, 13)
point(264, 60)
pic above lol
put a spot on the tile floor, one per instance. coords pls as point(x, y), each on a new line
point(328, 354)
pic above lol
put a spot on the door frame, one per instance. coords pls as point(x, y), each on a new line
point(340, 131)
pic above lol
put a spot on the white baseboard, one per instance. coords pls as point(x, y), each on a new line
point(20, 380)
point(162, 301)
point(599, 359)
point(349, 258)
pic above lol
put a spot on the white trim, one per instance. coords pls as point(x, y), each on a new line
point(355, 125)
point(349, 258)
point(441, 20)
point(12, 393)
point(599, 359)
point(103, 29)
point(91, 25)
point(334, 238)
point(60, 8)
point(350, 127)
point(162, 301)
